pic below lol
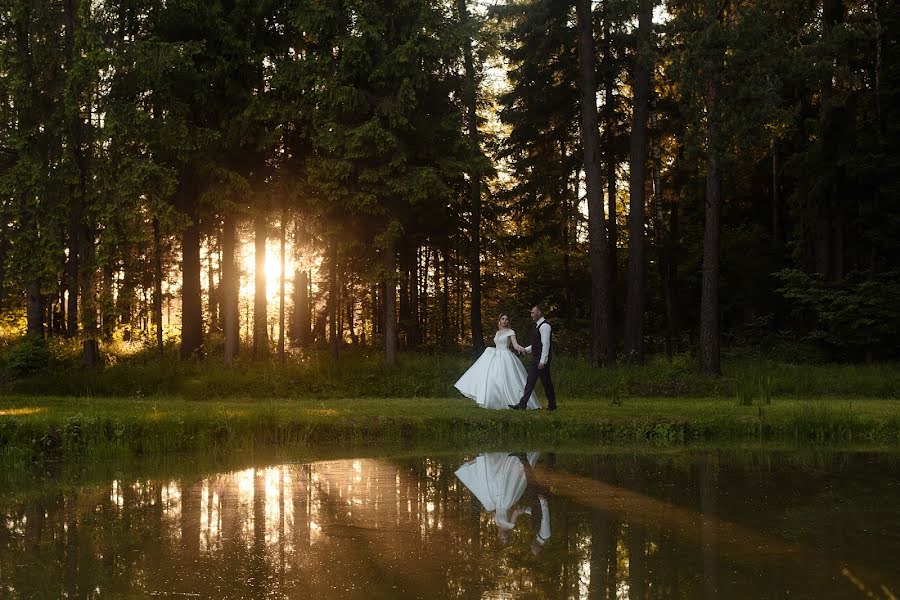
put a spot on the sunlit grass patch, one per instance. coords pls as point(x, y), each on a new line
point(21, 412)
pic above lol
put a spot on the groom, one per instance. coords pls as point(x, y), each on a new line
point(540, 365)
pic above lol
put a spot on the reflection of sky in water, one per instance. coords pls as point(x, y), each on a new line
point(408, 528)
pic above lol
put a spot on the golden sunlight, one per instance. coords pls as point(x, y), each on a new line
point(21, 412)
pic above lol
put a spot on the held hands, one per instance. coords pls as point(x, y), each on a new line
point(541, 365)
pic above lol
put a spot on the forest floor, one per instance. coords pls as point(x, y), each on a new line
point(48, 428)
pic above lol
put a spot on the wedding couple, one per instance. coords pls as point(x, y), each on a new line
point(498, 380)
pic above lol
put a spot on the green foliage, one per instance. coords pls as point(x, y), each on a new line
point(30, 354)
point(859, 314)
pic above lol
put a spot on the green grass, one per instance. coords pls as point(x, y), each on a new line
point(360, 375)
point(53, 428)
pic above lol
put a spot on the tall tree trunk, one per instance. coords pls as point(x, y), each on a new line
point(390, 304)
point(229, 288)
point(157, 286)
point(191, 300)
point(304, 319)
point(423, 303)
point(85, 238)
point(260, 299)
point(469, 96)
point(72, 269)
point(445, 299)
point(333, 300)
point(281, 279)
point(709, 301)
point(602, 351)
point(34, 308)
point(415, 331)
point(776, 193)
point(643, 64)
point(609, 114)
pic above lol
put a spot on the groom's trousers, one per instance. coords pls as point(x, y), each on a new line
point(544, 375)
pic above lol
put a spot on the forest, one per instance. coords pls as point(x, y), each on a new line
point(239, 180)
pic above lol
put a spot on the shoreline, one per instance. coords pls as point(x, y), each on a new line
point(51, 429)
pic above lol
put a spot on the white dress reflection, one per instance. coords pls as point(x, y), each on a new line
point(497, 379)
point(500, 480)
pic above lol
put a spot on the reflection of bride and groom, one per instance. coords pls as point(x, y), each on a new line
point(506, 485)
point(498, 380)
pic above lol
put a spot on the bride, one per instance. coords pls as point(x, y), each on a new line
point(497, 378)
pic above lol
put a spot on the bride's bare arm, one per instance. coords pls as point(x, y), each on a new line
point(515, 344)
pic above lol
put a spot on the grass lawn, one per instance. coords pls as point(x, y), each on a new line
point(53, 428)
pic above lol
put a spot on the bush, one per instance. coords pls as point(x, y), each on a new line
point(29, 355)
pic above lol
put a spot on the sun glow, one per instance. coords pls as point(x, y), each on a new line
point(272, 270)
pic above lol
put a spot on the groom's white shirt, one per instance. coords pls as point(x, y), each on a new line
point(545, 341)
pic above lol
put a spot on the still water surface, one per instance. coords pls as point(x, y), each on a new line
point(618, 524)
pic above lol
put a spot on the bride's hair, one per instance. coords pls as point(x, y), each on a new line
point(501, 318)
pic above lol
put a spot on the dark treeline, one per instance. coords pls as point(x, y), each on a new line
point(662, 177)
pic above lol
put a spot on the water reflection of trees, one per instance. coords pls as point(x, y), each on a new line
point(390, 528)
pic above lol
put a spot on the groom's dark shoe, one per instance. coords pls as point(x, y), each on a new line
point(516, 406)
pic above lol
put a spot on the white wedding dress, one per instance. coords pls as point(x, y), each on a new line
point(498, 481)
point(497, 379)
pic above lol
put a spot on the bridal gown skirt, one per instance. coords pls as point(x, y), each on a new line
point(497, 479)
point(496, 380)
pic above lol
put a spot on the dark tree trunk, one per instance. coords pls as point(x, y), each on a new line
point(229, 287)
point(333, 301)
point(107, 304)
point(72, 269)
point(34, 308)
point(157, 286)
point(445, 296)
point(709, 301)
point(609, 113)
point(423, 302)
point(602, 351)
point(404, 325)
point(191, 300)
point(474, 182)
point(415, 337)
point(390, 304)
point(260, 300)
point(634, 312)
point(301, 309)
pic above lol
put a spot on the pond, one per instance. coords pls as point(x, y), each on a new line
point(613, 523)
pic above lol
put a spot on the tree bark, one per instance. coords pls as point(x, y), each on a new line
point(390, 304)
point(609, 114)
point(474, 182)
point(157, 286)
point(191, 301)
point(333, 301)
point(602, 351)
point(260, 300)
point(229, 286)
point(34, 308)
point(709, 300)
point(634, 312)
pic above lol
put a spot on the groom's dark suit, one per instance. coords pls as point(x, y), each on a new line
point(534, 373)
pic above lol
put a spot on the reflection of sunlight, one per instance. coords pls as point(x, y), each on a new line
point(115, 496)
point(21, 412)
